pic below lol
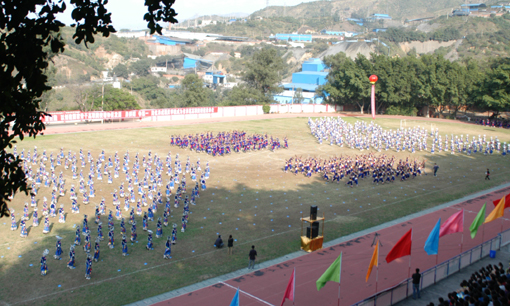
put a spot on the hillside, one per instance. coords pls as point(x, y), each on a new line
point(79, 62)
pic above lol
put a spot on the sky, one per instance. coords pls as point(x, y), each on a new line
point(128, 14)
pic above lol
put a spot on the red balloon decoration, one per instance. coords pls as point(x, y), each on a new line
point(373, 78)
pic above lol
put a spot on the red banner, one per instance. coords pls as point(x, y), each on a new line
point(77, 116)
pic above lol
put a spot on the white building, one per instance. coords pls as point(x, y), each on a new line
point(158, 69)
point(132, 34)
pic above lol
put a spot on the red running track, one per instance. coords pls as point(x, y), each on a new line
point(266, 286)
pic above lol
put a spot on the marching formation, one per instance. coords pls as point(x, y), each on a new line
point(225, 142)
point(366, 136)
point(142, 194)
point(382, 168)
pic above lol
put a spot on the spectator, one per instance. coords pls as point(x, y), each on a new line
point(252, 255)
point(219, 242)
point(230, 244)
point(416, 284)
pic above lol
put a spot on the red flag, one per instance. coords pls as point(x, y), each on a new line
point(454, 224)
point(402, 248)
point(291, 286)
point(507, 201)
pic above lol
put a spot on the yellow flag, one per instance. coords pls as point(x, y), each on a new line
point(498, 211)
point(374, 262)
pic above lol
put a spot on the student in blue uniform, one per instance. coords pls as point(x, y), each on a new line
point(168, 250)
point(44, 267)
point(58, 248)
point(70, 263)
point(124, 246)
point(149, 245)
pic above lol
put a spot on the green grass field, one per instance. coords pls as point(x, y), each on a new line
point(248, 196)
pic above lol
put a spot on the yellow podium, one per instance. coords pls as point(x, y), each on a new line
point(308, 243)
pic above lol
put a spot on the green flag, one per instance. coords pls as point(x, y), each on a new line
point(477, 222)
point(332, 273)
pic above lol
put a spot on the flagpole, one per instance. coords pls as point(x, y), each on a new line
point(339, 280)
point(338, 294)
point(462, 236)
point(409, 273)
point(376, 277)
point(483, 232)
point(461, 241)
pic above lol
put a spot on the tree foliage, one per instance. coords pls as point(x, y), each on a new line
point(113, 99)
point(409, 83)
point(264, 72)
point(29, 37)
point(194, 93)
point(121, 71)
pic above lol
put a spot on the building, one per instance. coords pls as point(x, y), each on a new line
point(132, 34)
point(475, 7)
point(293, 37)
point(190, 35)
point(192, 61)
point(374, 17)
point(170, 41)
point(312, 75)
point(339, 33)
point(158, 69)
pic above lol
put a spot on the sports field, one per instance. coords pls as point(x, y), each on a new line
point(248, 196)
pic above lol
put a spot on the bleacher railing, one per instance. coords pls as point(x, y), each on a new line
point(404, 289)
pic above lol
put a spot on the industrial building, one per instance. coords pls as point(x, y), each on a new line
point(380, 17)
point(339, 33)
point(169, 41)
point(192, 61)
point(312, 75)
point(292, 37)
point(474, 7)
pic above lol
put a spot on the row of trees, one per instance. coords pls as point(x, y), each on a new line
point(408, 84)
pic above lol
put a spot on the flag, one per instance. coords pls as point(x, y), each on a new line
point(477, 222)
point(374, 262)
point(291, 288)
point(507, 201)
point(235, 300)
point(332, 273)
point(402, 248)
point(497, 212)
point(432, 243)
point(454, 224)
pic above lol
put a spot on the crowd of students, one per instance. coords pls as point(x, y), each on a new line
point(381, 168)
point(490, 286)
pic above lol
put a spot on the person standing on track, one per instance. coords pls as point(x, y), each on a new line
point(230, 244)
point(252, 255)
point(416, 284)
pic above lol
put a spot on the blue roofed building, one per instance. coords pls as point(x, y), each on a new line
point(312, 75)
point(192, 61)
point(473, 7)
point(171, 41)
point(293, 37)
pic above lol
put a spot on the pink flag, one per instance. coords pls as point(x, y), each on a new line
point(454, 224)
point(291, 288)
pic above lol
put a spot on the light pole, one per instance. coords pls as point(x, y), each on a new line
point(102, 103)
point(373, 78)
